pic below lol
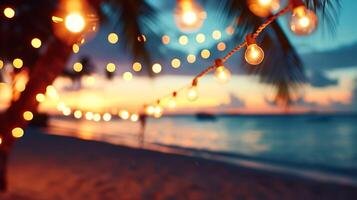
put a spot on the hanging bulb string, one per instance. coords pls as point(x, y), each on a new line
point(255, 35)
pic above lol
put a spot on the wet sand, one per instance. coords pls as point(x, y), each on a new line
point(48, 167)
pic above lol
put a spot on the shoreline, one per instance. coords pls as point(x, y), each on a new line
point(57, 167)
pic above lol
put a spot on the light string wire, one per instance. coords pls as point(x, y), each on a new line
point(206, 71)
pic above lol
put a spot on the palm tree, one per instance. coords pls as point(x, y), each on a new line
point(33, 19)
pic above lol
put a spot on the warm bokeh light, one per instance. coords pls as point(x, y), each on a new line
point(17, 132)
point(254, 55)
point(200, 38)
point(303, 21)
point(172, 103)
point(61, 106)
point(149, 110)
point(263, 8)
point(77, 67)
point(75, 48)
point(107, 117)
point(156, 68)
point(97, 117)
point(0, 140)
point(134, 117)
point(189, 15)
point(137, 67)
point(1, 64)
point(158, 111)
point(9, 12)
point(111, 67)
point(66, 111)
point(127, 76)
point(113, 38)
point(165, 39)
point(17, 63)
point(221, 46)
point(52, 92)
point(230, 30)
point(28, 116)
point(191, 58)
point(205, 53)
point(175, 63)
point(216, 34)
point(222, 74)
point(75, 22)
point(36, 43)
point(57, 19)
point(142, 38)
point(89, 116)
point(192, 93)
point(40, 97)
point(183, 40)
point(124, 114)
point(78, 114)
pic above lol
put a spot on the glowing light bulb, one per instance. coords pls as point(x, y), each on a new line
point(263, 8)
point(124, 114)
point(17, 132)
point(158, 111)
point(40, 97)
point(111, 67)
point(156, 68)
point(89, 116)
point(67, 111)
point(17, 63)
point(149, 110)
point(192, 93)
point(222, 74)
point(28, 116)
point(113, 38)
point(175, 63)
point(77, 114)
point(134, 117)
point(75, 22)
point(172, 103)
point(254, 55)
point(303, 21)
point(75, 48)
point(36, 43)
point(189, 15)
point(137, 67)
point(9, 12)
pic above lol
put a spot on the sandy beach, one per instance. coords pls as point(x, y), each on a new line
point(53, 167)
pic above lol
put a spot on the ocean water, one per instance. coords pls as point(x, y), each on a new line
point(312, 145)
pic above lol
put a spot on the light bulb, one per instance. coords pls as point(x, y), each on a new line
point(172, 103)
point(222, 74)
point(254, 55)
point(75, 22)
point(192, 93)
point(189, 15)
point(263, 8)
point(149, 110)
point(303, 21)
point(158, 111)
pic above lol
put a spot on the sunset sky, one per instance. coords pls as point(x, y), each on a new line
point(329, 60)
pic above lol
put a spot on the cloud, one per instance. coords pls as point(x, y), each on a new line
point(319, 79)
point(341, 57)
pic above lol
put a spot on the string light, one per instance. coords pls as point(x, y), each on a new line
point(230, 30)
point(113, 38)
point(200, 38)
point(28, 116)
point(183, 39)
point(137, 67)
point(263, 8)
point(40, 97)
point(111, 67)
point(77, 67)
point(75, 22)
point(165, 39)
point(36, 43)
point(75, 48)
point(67, 111)
point(134, 117)
point(254, 55)
point(97, 117)
point(189, 15)
point(191, 58)
point(175, 63)
point(156, 68)
point(89, 116)
point(205, 53)
point(127, 76)
point(17, 63)
point(172, 101)
point(17, 132)
point(149, 110)
point(216, 34)
point(221, 46)
point(222, 74)
point(77, 114)
point(158, 110)
point(303, 21)
point(1, 64)
point(124, 114)
point(192, 93)
point(107, 117)
point(9, 12)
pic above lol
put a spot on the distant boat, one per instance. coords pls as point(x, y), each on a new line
point(206, 117)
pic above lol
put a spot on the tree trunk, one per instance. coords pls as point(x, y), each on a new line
point(47, 68)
